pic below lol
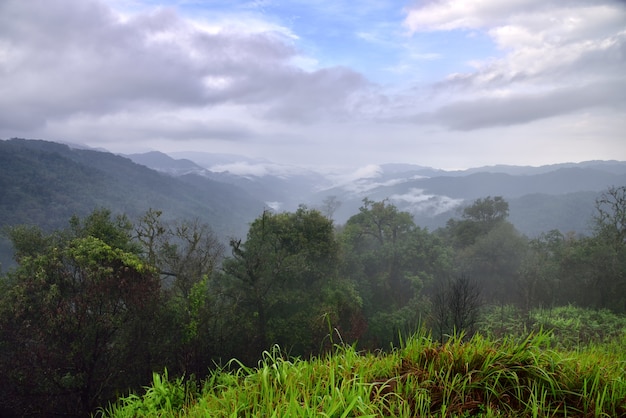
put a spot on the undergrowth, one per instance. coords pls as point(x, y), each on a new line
point(485, 377)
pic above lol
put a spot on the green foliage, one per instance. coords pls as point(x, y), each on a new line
point(521, 377)
point(391, 261)
point(68, 312)
point(569, 326)
point(487, 211)
point(163, 398)
point(187, 254)
point(100, 223)
point(494, 260)
point(284, 280)
point(479, 219)
point(92, 310)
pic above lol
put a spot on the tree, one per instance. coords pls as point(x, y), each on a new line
point(494, 260)
point(283, 279)
point(186, 254)
point(456, 306)
point(464, 301)
point(610, 218)
point(540, 274)
point(67, 313)
point(488, 248)
point(478, 219)
point(391, 260)
point(330, 206)
point(609, 246)
point(487, 211)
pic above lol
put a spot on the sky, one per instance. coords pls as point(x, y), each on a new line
point(442, 83)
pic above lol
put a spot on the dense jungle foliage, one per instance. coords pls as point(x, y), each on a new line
point(91, 311)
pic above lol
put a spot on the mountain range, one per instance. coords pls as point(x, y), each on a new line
point(559, 196)
point(44, 183)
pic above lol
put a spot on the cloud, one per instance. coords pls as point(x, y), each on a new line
point(524, 108)
point(418, 202)
point(151, 124)
point(73, 58)
point(554, 58)
point(257, 169)
point(313, 82)
point(308, 97)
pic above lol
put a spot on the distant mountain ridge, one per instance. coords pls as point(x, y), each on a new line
point(45, 183)
point(557, 196)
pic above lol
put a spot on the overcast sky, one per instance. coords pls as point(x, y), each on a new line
point(442, 83)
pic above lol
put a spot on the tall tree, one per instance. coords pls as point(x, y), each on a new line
point(391, 260)
point(67, 313)
point(539, 283)
point(478, 219)
point(284, 280)
point(609, 245)
point(186, 254)
point(488, 248)
point(456, 306)
point(610, 217)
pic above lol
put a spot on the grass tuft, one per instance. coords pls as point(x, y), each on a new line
point(484, 377)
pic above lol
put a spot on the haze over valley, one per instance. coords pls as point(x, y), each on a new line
point(295, 208)
point(45, 183)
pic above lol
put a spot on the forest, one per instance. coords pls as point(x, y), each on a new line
point(91, 311)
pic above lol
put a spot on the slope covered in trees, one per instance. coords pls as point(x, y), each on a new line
point(91, 310)
point(92, 307)
point(45, 183)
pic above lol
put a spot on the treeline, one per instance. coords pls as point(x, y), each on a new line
point(92, 310)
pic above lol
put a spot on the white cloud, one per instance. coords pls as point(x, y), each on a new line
point(555, 57)
point(278, 80)
point(77, 57)
point(417, 202)
point(261, 169)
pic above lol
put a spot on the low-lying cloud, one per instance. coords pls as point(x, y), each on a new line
point(417, 202)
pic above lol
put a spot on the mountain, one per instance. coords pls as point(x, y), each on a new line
point(561, 197)
point(558, 196)
point(280, 187)
point(164, 163)
point(45, 183)
point(615, 167)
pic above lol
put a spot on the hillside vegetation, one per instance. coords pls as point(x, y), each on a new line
point(90, 310)
point(510, 377)
point(44, 183)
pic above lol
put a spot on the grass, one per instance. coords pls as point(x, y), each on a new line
point(569, 326)
point(484, 377)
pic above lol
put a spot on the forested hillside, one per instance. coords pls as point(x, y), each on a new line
point(45, 183)
point(121, 271)
point(541, 198)
point(94, 309)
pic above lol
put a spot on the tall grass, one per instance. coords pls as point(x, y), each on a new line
point(569, 326)
point(510, 377)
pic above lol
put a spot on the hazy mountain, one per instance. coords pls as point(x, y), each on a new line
point(164, 163)
point(45, 183)
point(562, 198)
point(615, 167)
point(558, 196)
point(280, 187)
